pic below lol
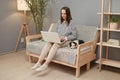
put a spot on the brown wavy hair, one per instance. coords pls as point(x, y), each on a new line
point(68, 15)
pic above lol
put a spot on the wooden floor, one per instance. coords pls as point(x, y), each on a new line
point(15, 66)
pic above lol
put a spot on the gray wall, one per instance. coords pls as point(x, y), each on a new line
point(10, 23)
point(84, 12)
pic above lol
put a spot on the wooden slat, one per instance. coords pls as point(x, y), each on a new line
point(109, 62)
point(106, 29)
point(60, 62)
point(105, 44)
point(109, 13)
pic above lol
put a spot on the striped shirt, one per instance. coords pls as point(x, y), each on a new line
point(68, 31)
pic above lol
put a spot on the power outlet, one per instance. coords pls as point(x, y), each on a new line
point(22, 40)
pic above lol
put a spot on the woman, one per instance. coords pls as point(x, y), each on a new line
point(66, 31)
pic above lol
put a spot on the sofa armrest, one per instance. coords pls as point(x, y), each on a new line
point(30, 37)
point(89, 45)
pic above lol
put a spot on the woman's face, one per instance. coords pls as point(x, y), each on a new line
point(63, 14)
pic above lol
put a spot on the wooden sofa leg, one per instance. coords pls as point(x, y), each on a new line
point(88, 66)
point(30, 58)
point(78, 72)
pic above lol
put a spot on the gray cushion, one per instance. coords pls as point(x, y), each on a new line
point(66, 55)
point(35, 46)
point(86, 33)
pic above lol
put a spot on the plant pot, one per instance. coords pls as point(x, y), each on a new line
point(114, 25)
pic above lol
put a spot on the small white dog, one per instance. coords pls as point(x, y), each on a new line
point(75, 43)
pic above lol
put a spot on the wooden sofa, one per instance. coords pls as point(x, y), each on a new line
point(74, 58)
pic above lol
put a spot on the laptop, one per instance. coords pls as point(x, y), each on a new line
point(51, 37)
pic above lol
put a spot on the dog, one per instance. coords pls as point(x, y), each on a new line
point(75, 43)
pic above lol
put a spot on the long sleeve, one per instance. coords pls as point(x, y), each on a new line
point(69, 32)
point(73, 34)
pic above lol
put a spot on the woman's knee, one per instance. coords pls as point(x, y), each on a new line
point(48, 44)
point(56, 45)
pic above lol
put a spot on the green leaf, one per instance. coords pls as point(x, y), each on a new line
point(38, 10)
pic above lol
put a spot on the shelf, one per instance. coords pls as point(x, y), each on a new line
point(103, 28)
point(105, 44)
point(106, 29)
point(109, 62)
point(110, 13)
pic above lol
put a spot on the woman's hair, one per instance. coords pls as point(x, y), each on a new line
point(68, 15)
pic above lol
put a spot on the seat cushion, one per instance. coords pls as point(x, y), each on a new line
point(86, 33)
point(66, 55)
point(35, 46)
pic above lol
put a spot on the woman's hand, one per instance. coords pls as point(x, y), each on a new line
point(62, 38)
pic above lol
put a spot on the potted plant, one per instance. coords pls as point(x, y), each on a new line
point(37, 9)
point(114, 20)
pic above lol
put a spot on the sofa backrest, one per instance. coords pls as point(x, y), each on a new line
point(85, 33)
point(52, 27)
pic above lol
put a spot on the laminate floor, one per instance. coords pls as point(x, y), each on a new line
point(15, 66)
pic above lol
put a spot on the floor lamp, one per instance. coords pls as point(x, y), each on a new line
point(22, 6)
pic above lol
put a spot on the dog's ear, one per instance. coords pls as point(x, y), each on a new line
point(80, 41)
point(75, 43)
point(70, 44)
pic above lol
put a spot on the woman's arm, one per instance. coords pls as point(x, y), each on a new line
point(73, 34)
